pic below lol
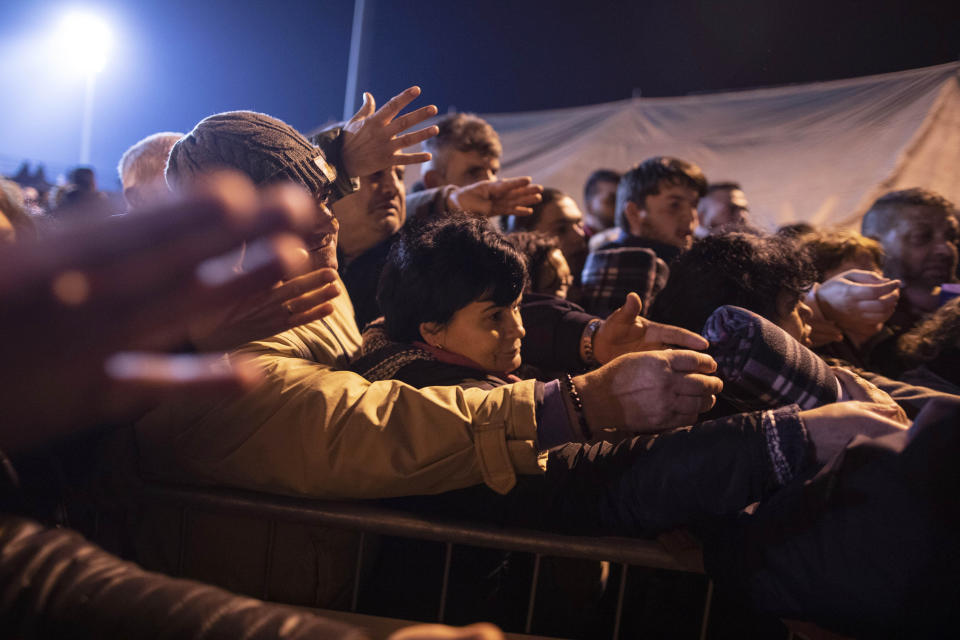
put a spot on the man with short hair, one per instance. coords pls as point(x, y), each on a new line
point(558, 216)
point(918, 231)
point(724, 207)
point(467, 150)
point(369, 219)
point(657, 206)
point(600, 201)
point(141, 170)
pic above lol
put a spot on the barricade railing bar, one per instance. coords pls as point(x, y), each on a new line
point(371, 517)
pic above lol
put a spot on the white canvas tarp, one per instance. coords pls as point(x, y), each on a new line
point(817, 152)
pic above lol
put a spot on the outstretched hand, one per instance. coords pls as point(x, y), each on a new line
point(649, 392)
point(858, 301)
point(626, 331)
point(372, 140)
point(489, 198)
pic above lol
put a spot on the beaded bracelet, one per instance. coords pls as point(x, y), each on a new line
point(578, 406)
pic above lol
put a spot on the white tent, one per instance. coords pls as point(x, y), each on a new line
point(817, 152)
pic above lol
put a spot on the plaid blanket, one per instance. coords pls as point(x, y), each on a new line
point(762, 366)
point(610, 274)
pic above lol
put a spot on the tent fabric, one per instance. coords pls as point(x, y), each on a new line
point(818, 153)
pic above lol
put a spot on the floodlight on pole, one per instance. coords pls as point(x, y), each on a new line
point(85, 41)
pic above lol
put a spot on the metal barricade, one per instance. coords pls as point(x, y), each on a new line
point(366, 517)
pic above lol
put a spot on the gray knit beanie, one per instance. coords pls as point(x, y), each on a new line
point(262, 147)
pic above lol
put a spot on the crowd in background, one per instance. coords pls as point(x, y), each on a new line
point(279, 314)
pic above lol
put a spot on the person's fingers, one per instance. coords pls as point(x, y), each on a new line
point(411, 139)
point(707, 403)
point(874, 308)
point(688, 410)
point(697, 384)
point(522, 203)
point(238, 215)
point(873, 290)
point(891, 298)
point(312, 299)
point(366, 109)
point(156, 375)
point(304, 284)
point(519, 211)
point(265, 261)
point(287, 206)
point(688, 406)
point(677, 336)
point(388, 111)
point(509, 184)
point(862, 276)
point(524, 195)
point(684, 361)
point(411, 158)
point(478, 631)
point(320, 311)
point(158, 317)
point(408, 120)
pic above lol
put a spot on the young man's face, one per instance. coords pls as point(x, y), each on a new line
point(564, 220)
point(921, 247)
point(669, 216)
point(602, 203)
point(469, 167)
point(373, 213)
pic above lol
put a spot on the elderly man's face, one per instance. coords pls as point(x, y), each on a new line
point(373, 213)
point(722, 208)
point(921, 247)
point(469, 167)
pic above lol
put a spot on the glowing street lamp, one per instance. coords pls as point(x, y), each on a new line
point(85, 41)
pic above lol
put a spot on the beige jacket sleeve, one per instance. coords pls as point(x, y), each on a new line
point(313, 429)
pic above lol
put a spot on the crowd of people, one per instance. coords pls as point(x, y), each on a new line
point(277, 313)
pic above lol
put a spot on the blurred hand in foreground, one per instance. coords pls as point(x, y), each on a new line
point(128, 284)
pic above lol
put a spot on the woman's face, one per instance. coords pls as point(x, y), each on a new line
point(486, 333)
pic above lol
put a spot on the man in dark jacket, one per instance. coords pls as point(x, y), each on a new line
point(657, 206)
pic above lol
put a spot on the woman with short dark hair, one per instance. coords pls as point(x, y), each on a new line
point(450, 295)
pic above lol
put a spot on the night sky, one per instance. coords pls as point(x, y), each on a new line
point(175, 62)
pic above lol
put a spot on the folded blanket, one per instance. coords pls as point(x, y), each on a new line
point(762, 366)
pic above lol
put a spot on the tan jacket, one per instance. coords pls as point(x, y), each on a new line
point(313, 429)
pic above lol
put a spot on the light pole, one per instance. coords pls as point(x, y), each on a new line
point(85, 40)
point(87, 130)
point(353, 62)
